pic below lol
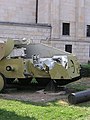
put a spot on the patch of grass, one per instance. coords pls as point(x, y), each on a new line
point(80, 85)
point(74, 87)
point(57, 110)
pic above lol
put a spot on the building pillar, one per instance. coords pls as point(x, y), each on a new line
point(55, 18)
point(80, 19)
point(44, 11)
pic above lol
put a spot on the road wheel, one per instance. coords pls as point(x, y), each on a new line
point(2, 82)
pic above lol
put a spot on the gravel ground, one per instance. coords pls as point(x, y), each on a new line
point(34, 96)
point(41, 95)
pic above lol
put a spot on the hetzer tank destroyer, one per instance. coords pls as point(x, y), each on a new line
point(35, 64)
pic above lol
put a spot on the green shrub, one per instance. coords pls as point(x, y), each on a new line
point(85, 70)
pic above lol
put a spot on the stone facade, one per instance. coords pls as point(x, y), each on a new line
point(34, 32)
point(76, 13)
point(20, 11)
point(18, 20)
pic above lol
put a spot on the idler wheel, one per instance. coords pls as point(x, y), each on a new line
point(2, 82)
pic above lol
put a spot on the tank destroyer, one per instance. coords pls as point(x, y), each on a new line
point(35, 63)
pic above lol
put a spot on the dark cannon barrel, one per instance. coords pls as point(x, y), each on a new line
point(79, 97)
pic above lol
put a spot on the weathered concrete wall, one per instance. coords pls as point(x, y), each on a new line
point(23, 11)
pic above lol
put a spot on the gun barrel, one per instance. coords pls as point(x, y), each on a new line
point(79, 97)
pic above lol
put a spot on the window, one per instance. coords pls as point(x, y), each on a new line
point(68, 48)
point(88, 30)
point(66, 29)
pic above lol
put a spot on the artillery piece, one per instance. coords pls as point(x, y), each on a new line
point(36, 64)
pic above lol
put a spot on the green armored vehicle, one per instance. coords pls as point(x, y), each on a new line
point(22, 63)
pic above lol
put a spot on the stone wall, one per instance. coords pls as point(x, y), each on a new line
point(35, 32)
point(44, 11)
point(18, 18)
point(75, 12)
point(23, 11)
point(80, 49)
